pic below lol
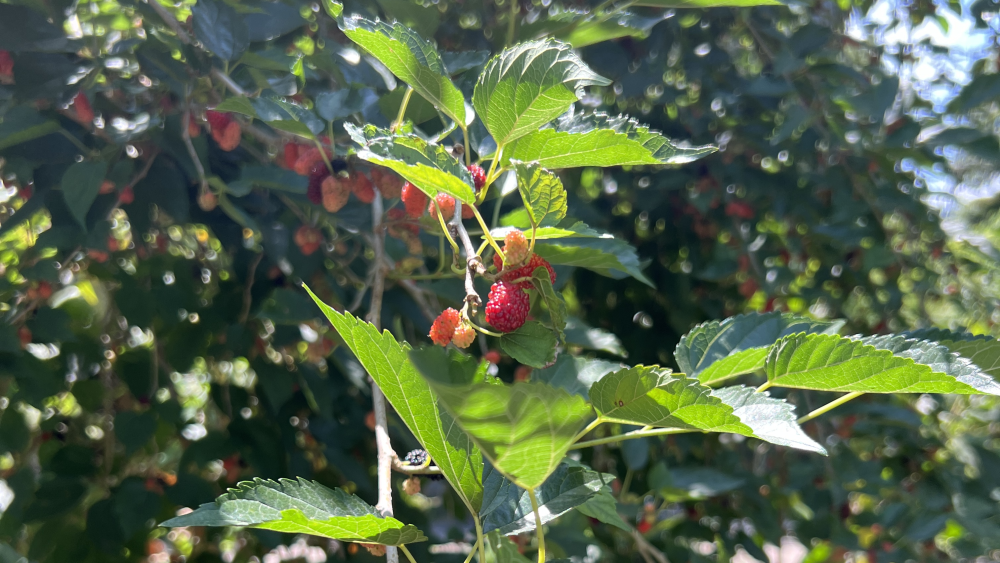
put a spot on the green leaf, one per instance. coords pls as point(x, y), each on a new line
point(579, 334)
point(603, 507)
point(597, 139)
point(543, 194)
point(416, 404)
point(293, 127)
point(983, 88)
point(300, 507)
point(606, 256)
point(281, 114)
point(343, 103)
point(553, 301)
point(832, 363)
point(237, 104)
point(22, 124)
point(524, 429)
point(220, 29)
point(507, 507)
point(528, 85)
point(575, 374)
point(413, 59)
point(269, 177)
point(427, 166)
point(983, 352)
point(653, 396)
point(718, 350)
point(506, 550)
point(578, 229)
point(597, 28)
point(939, 358)
point(23, 28)
point(80, 185)
point(685, 483)
point(332, 8)
point(533, 344)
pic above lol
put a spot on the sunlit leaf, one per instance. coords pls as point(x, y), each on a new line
point(533, 344)
point(543, 194)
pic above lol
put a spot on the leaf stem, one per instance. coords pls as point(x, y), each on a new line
point(474, 547)
point(767, 385)
point(597, 422)
point(445, 132)
point(479, 538)
point(538, 524)
point(465, 140)
point(407, 553)
point(444, 227)
point(830, 406)
point(83, 148)
point(484, 331)
point(402, 108)
point(631, 435)
point(322, 153)
point(486, 233)
point(490, 178)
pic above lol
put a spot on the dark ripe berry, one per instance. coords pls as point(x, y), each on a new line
point(478, 175)
point(507, 307)
point(414, 200)
point(218, 120)
point(315, 190)
point(443, 329)
point(416, 457)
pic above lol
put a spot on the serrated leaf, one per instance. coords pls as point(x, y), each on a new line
point(528, 85)
point(943, 334)
point(580, 334)
point(825, 362)
point(651, 395)
point(603, 507)
point(772, 420)
point(22, 124)
point(237, 104)
point(597, 139)
point(606, 256)
point(575, 374)
point(939, 358)
point(533, 344)
point(543, 194)
point(416, 404)
point(220, 29)
point(427, 166)
point(983, 352)
point(553, 301)
point(80, 185)
point(413, 59)
point(718, 350)
point(507, 507)
point(525, 429)
point(300, 507)
point(578, 229)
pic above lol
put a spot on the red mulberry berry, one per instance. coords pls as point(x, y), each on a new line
point(525, 271)
point(443, 329)
point(507, 307)
point(335, 194)
point(447, 205)
point(84, 112)
point(307, 159)
point(478, 176)
point(229, 137)
point(290, 155)
point(414, 200)
point(6, 65)
point(217, 119)
point(388, 184)
point(308, 239)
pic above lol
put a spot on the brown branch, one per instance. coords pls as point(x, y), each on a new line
point(473, 265)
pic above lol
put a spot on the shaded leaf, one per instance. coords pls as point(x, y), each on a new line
point(528, 85)
point(603, 507)
point(80, 185)
point(533, 344)
point(413, 59)
point(220, 29)
point(507, 507)
point(300, 507)
point(429, 167)
point(21, 124)
point(606, 256)
point(575, 374)
point(597, 139)
point(554, 301)
point(591, 338)
point(718, 350)
point(345, 102)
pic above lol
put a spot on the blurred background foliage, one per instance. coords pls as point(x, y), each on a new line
point(156, 348)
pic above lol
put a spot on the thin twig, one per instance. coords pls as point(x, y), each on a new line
point(186, 136)
point(384, 446)
point(474, 263)
point(247, 297)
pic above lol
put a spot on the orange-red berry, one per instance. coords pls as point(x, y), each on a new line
point(362, 187)
point(308, 239)
point(443, 329)
point(229, 137)
point(389, 184)
point(478, 175)
point(464, 335)
point(84, 112)
point(447, 205)
point(335, 194)
point(515, 246)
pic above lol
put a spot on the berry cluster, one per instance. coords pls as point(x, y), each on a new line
point(6, 67)
point(418, 458)
point(451, 327)
point(508, 304)
point(415, 201)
